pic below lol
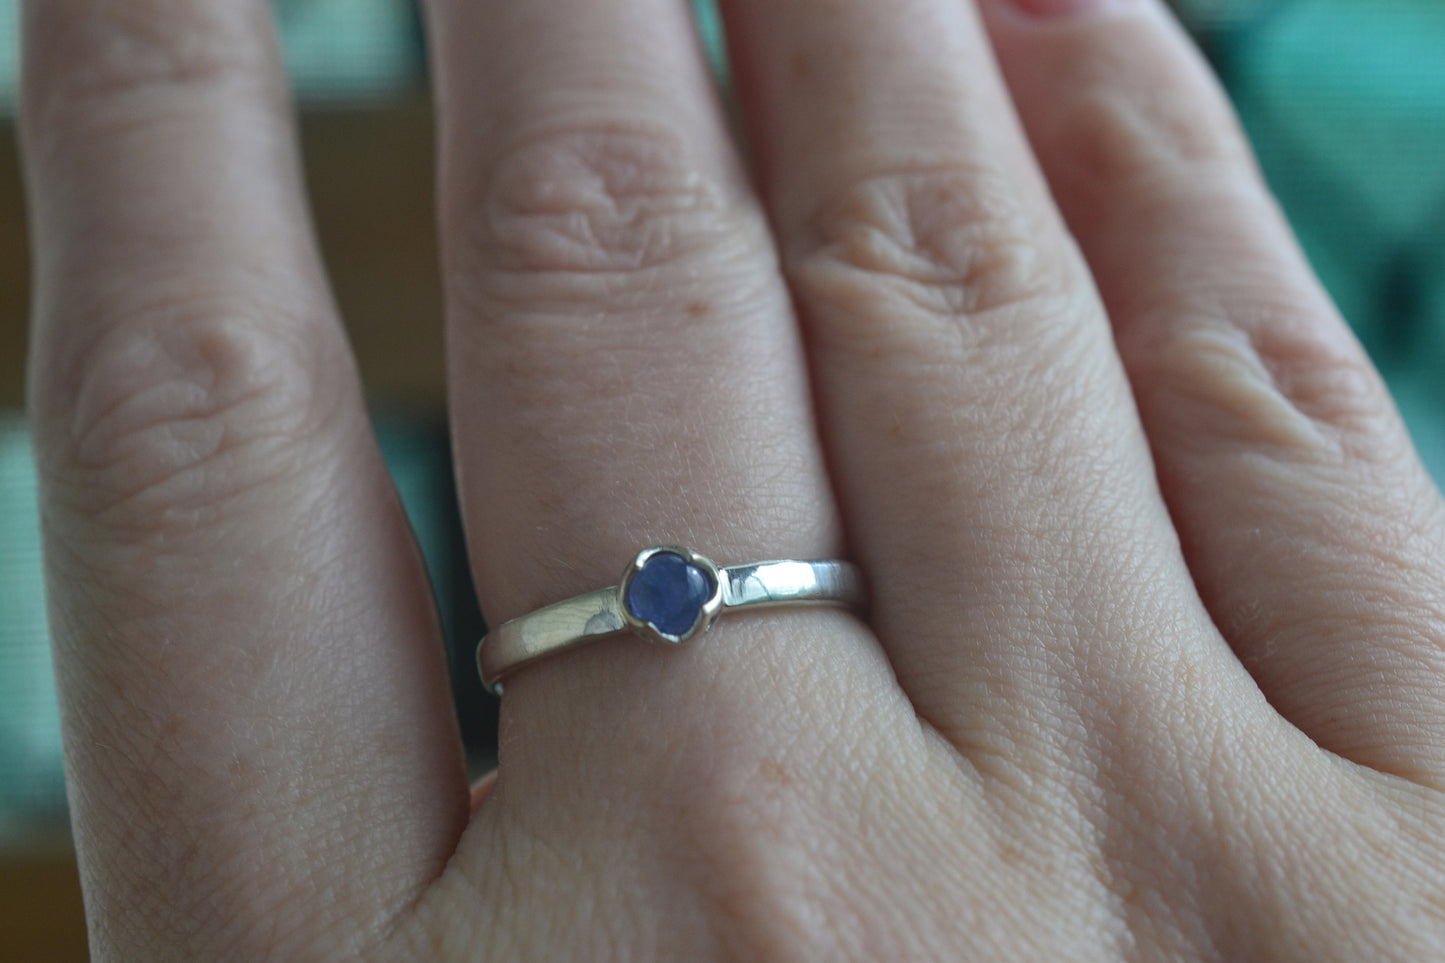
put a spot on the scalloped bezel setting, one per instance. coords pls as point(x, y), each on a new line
point(670, 594)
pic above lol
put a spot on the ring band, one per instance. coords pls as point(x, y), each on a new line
point(668, 595)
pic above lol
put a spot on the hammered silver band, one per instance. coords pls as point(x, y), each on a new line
point(607, 612)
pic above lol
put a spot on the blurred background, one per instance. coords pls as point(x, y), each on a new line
point(1344, 99)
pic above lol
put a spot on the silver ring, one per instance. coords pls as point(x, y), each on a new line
point(668, 595)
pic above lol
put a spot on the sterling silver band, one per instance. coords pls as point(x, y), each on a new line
point(607, 612)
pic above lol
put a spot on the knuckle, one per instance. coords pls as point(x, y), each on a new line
point(1130, 138)
point(602, 201)
point(1213, 379)
point(115, 52)
point(1121, 135)
point(1283, 381)
point(184, 408)
point(953, 244)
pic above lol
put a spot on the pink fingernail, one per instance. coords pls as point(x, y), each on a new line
point(1066, 8)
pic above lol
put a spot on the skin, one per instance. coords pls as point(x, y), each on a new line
point(996, 305)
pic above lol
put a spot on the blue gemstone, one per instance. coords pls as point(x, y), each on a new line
point(669, 591)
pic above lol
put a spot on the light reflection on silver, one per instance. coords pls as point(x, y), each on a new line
point(599, 615)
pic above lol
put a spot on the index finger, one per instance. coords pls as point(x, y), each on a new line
point(242, 623)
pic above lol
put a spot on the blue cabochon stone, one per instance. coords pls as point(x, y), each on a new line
point(669, 591)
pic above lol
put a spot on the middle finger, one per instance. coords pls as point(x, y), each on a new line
point(994, 475)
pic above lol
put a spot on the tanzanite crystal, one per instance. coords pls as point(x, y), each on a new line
point(669, 592)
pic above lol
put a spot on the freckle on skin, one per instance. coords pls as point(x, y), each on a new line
point(774, 773)
point(699, 309)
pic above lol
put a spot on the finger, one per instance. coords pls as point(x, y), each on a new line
point(995, 479)
point(624, 370)
point(262, 756)
point(480, 790)
point(1312, 530)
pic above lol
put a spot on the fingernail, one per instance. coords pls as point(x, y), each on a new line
point(1067, 8)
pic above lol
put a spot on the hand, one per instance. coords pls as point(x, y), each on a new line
point(1153, 667)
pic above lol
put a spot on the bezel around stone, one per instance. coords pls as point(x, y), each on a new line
point(706, 615)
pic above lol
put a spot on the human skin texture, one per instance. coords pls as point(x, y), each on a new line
point(994, 304)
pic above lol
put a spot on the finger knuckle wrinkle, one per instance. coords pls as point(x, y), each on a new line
point(1330, 381)
point(1291, 391)
point(178, 416)
point(119, 50)
point(607, 200)
point(1118, 133)
point(954, 243)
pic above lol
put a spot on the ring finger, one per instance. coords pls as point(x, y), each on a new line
point(624, 368)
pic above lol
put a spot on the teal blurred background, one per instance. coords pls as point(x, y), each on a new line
point(1344, 100)
point(1345, 103)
